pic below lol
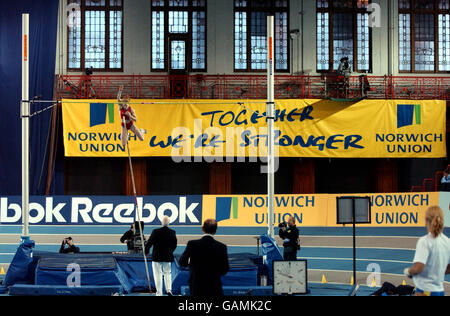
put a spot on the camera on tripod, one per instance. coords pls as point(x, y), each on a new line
point(135, 244)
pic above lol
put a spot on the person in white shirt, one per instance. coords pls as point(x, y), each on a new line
point(432, 257)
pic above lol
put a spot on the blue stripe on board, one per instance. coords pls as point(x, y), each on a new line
point(6, 258)
point(11, 249)
point(361, 266)
point(361, 253)
point(196, 230)
point(315, 264)
point(344, 253)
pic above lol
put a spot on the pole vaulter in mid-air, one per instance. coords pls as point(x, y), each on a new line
point(128, 118)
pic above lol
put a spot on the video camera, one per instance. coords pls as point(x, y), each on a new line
point(135, 244)
point(282, 225)
point(89, 71)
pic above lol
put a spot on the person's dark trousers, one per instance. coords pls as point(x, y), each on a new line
point(289, 254)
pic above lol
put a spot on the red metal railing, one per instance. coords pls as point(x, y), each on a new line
point(252, 87)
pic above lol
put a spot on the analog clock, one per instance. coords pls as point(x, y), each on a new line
point(290, 277)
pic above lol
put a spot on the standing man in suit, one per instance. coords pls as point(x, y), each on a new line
point(164, 242)
point(208, 262)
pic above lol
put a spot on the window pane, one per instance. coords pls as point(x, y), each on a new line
point(198, 40)
point(157, 3)
point(444, 4)
point(444, 42)
point(342, 38)
point(281, 41)
point(95, 3)
point(404, 42)
point(323, 40)
point(240, 40)
point(199, 3)
point(116, 3)
point(259, 40)
point(322, 3)
point(363, 42)
point(362, 4)
point(95, 50)
point(281, 4)
point(178, 22)
point(178, 3)
point(74, 35)
point(115, 39)
point(240, 3)
point(424, 42)
point(157, 40)
point(178, 55)
point(424, 4)
point(343, 3)
point(404, 4)
point(261, 4)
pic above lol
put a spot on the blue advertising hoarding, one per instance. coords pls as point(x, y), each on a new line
point(103, 210)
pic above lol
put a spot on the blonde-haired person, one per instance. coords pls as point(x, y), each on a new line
point(432, 257)
point(128, 118)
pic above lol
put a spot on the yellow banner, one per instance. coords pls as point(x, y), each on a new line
point(393, 209)
point(238, 128)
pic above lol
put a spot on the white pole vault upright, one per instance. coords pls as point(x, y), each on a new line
point(270, 113)
point(25, 115)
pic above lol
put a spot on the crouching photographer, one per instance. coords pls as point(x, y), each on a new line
point(290, 235)
point(71, 248)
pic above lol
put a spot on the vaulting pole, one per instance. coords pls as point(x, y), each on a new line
point(25, 115)
point(138, 215)
point(270, 110)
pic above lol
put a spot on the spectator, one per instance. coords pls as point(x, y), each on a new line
point(164, 242)
point(71, 248)
point(432, 257)
point(289, 233)
point(445, 181)
point(208, 262)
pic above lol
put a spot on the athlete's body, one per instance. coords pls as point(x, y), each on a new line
point(127, 116)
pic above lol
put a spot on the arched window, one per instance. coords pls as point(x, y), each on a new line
point(250, 34)
point(179, 35)
point(424, 35)
point(343, 31)
point(94, 37)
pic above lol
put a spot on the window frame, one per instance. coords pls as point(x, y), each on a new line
point(107, 8)
point(272, 11)
point(187, 37)
point(412, 11)
point(331, 10)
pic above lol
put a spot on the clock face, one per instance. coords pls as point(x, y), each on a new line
point(290, 277)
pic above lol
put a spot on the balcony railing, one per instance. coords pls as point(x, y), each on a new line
point(252, 87)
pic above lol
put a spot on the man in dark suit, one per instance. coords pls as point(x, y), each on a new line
point(208, 262)
point(164, 242)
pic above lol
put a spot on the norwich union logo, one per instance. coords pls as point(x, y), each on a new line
point(98, 113)
point(408, 115)
point(226, 208)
